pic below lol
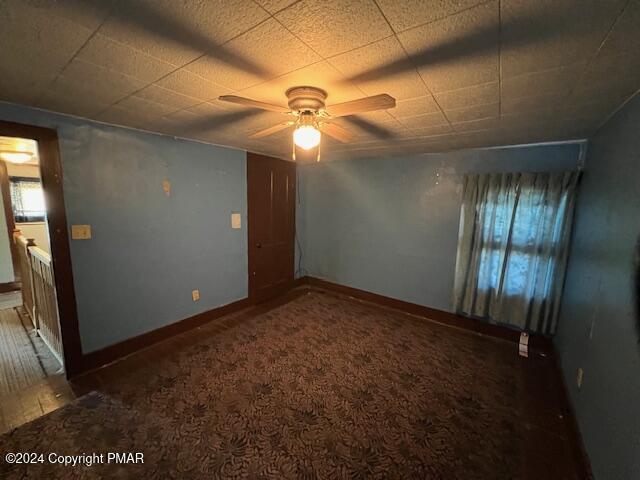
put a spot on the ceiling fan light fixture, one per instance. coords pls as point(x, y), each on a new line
point(16, 157)
point(306, 137)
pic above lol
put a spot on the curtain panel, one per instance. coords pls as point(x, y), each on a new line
point(513, 247)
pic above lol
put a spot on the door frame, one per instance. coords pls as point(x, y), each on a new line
point(11, 225)
point(251, 293)
point(52, 185)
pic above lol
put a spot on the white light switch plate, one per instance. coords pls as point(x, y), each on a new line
point(236, 220)
point(80, 232)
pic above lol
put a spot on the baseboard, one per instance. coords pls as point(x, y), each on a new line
point(536, 342)
point(93, 360)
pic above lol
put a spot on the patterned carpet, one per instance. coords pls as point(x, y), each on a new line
point(321, 387)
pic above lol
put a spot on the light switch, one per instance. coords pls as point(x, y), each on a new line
point(236, 220)
point(80, 232)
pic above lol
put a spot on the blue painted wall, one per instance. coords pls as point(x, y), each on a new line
point(390, 225)
point(596, 330)
point(148, 251)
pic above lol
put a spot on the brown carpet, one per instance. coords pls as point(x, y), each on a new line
point(24, 358)
point(322, 387)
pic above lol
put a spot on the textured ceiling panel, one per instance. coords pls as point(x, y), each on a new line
point(178, 32)
point(404, 15)
point(551, 33)
point(360, 67)
point(331, 27)
point(105, 52)
point(465, 73)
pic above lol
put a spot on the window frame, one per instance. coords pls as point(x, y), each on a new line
point(18, 217)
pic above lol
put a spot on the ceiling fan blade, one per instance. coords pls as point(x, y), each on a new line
point(336, 131)
point(253, 103)
point(366, 104)
point(271, 130)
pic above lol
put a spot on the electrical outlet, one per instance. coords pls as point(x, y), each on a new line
point(579, 376)
point(195, 294)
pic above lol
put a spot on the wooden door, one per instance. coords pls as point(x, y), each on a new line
point(271, 187)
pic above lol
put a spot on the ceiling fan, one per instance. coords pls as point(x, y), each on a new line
point(311, 117)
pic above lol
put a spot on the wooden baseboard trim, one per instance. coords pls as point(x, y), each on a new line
point(99, 358)
point(537, 342)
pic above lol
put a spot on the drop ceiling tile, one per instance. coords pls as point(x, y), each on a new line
point(560, 81)
point(66, 87)
point(101, 79)
point(405, 14)
point(130, 118)
point(274, 6)
point(414, 106)
point(476, 112)
point(179, 32)
point(531, 104)
point(224, 74)
point(102, 51)
point(458, 51)
point(321, 75)
point(36, 44)
point(331, 27)
point(23, 84)
point(78, 105)
point(259, 55)
point(381, 67)
point(210, 108)
point(425, 120)
point(475, 125)
point(144, 106)
point(431, 131)
point(168, 97)
point(88, 14)
point(190, 84)
point(613, 75)
point(467, 97)
point(599, 108)
point(552, 33)
point(624, 34)
point(273, 49)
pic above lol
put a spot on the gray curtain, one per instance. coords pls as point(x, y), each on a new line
point(513, 246)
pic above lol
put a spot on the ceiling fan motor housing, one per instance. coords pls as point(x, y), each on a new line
point(306, 99)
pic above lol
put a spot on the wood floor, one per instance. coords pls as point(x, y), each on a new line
point(24, 358)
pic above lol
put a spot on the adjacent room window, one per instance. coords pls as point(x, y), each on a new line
point(513, 245)
point(27, 199)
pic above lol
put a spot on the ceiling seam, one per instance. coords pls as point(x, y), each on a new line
point(414, 66)
point(615, 111)
point(323, 58)
point(204, 54)
point(604, 40)
point(394, 34)
point(84, 44)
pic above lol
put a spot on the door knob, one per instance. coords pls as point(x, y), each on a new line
point(258, 245)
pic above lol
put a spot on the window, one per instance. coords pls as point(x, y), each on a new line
point(27, 199)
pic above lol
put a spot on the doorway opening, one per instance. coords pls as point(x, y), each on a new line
point(35, 263)
point(31, 347)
